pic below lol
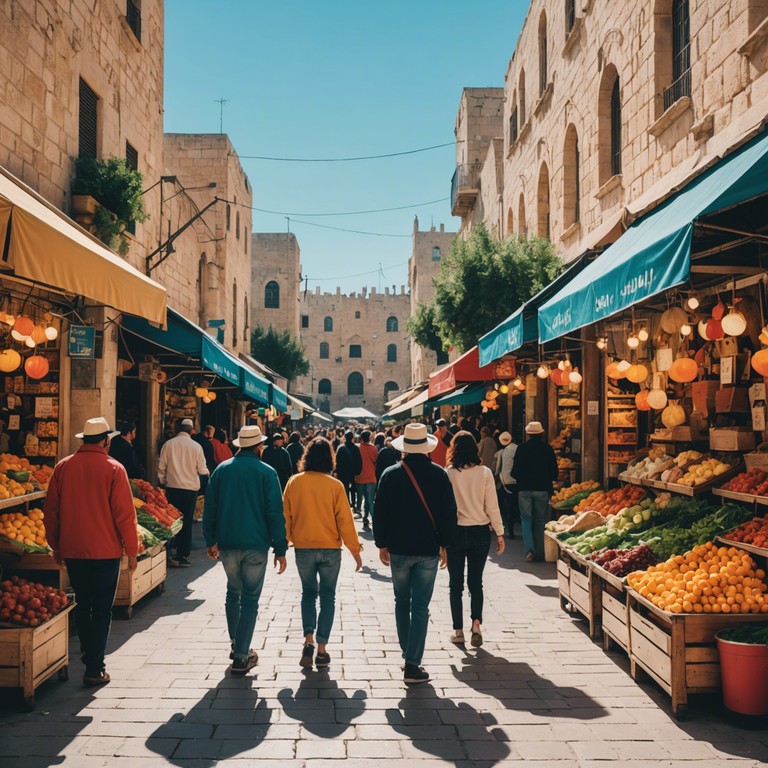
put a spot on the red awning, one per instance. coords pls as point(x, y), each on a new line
point(466, 368)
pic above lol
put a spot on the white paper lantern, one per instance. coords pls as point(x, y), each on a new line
point(734, 323)
point(642, 334)
point(575, 377)
point(624, 366)
point(633, 342)
point(703, 330)
point(543, 371)
point(686, 330)
point(51, 333)
point(657, 399)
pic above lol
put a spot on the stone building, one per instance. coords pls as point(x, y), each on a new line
point(357, 347)
point(609, 108)
point(429, 248)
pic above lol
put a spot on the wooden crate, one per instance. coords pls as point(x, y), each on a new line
point(149, 575)
point(30, 655)
point(550, 547)
point(579, 589)
point(614, 617)
point(35, 567)
point(678, 651)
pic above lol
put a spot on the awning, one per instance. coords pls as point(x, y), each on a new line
point(464, 369)
point(469, 394)
point(414, 402)
point(300, 404)
point(403, 396)
point(278, 398)
point(354, 413)
point(654, 254)
point(44, 245)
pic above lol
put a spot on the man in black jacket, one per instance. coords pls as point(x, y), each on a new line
point(349, 463)
point(121, 449)
point(278, 458)
point(414, 520)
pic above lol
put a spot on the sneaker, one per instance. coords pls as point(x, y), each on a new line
point(529, 557)
point(306, 656)
point(322, 660)
point(457, 638)
point(357, 514)
point(241, 666)
point(414, 674)
point(477, 638)
point(184, 562)
point(173, 562)
point(91, 680)
point(366, 524)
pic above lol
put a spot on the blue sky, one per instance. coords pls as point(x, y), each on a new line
point(337, 79)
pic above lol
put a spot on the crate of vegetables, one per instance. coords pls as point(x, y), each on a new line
point(34, 636)
point(750, 486)
point(613, 501)
point(751, 536)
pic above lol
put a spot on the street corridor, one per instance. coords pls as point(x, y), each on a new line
point(538, 690)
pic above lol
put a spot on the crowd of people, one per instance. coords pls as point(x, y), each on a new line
point(429, 498)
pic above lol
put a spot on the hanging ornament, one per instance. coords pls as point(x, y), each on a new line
point(624, 366)
point(657, 399)
point(633, 342)
point(30, 342)
point(673, 416)
point(10, 360)
point(612, 371)
point(637, 373)
point(642, 334)
point(543, 371)
point(38, 335)
point(683, 370)
point(641, 400)
point(703, 330)
point(575, 377)
point(692, 303)
point(685, 330)
point(36, 366)
point(718, 311)
point(602, 343)
point(51, 333)
point(16, 336)
point(211, 396)
point(734, 323)
point(715, 329)
point(201, 392)
point(206, 400)
point(503, 389)
point(556, 377)
point(760, 362)
point(23, 325)
point(672, 319)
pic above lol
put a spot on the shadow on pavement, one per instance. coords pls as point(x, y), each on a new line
point(544, 591)
point(327, 722)
point(375, 574)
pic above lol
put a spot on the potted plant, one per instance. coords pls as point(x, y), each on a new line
point(744, 668)
point(116, 200)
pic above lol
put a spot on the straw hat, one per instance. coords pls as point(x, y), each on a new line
point(249, 436)
point(415, 439)
point(534, 428)
point(97, 426)
point(505, 438)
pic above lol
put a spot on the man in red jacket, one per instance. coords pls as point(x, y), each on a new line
point(90, 523)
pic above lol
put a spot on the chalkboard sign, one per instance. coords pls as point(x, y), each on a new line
point(81, 341)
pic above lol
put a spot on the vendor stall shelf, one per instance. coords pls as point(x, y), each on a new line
point(568, 443)
point(614, 607)
point(620, 433)
point(149, 576)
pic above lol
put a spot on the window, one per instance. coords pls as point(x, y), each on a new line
point(390, 386)
point(132, 161)
point(88, 121)
point(513, 127)
point(437, 254)
point(391, 324)
point(521, 96)
point(245, 238)
point(355, 385)
point(681, 54)
point(272, 295)
point(442, 357)
point(510, 222)
point(355, 350)
point(522, 224)
point(324, 387)
point(305, 321)
point(237, 225)
point(609, 125)
point(570, 15)
point(357, 314)
point(543, 73)
point(571, 180)
point(543, 202)
point(229, 216)
point(615, 129)
point(328, 323)
point(133, 17)
point(325, 350)
point(234, 312)
point(246, 319)
point(392, 353)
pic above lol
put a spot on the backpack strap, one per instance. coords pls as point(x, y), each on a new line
point(418, 490)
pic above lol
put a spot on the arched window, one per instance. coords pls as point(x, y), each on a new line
point(390, 386)
point(571, 177)
point(234, 312)
point(246, 319)
point(672, 52)
point(609, 125)
point(391, 324)
point(513, 126)
point(229, 216)
point(510, 222)
point(522, 223)
point(543, 72)
point(272, 295)
point(542, 212)
point(324, 387)
point(245, 238)
point(392, 353)
point(437, 254)
point(355, 384)
point(570, 15)
point(328, 323)
point(521, 97)
point(237, 225)
point(325, 350)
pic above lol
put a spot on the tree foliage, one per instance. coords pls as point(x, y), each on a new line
point(280, 350)
point(482, 281)
point(423, 329)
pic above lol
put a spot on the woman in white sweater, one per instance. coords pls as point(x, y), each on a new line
point(478, 505)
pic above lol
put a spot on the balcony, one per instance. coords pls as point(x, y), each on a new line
point(465, 187)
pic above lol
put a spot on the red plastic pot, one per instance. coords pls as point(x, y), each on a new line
point(744, 673)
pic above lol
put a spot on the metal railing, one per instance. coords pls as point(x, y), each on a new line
point(464, 177)
point(133, 17)
point(680, 88)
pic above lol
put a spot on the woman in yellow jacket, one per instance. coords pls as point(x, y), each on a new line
point(317, 520)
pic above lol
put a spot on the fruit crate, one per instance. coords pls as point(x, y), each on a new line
point(551, 547)
point(751, 548)
point(34, 567)
point(678, 650)
point(614, 618)
point(149, 576)
point(31, 655)
point(582, 594)
point(697, 490)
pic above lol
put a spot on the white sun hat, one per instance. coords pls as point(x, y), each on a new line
point(534, 428)
point(415, 439)
point(97, 426)
point(248, 436)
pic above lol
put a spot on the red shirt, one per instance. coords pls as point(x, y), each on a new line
point(368, 473)
point(89, 511)
point(439, 455)
point(221, 451)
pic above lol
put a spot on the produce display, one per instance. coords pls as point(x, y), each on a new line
point(754, 482)
point(590, 501)
point(27, 604)
point(755, 532)
point(147, 539)
point(42, 476)
point(622, 562)
point(18, 477)
point(704, 472)
point(154, 514)
point(26, 530)
point(567, 498)
point(706, 579)
point(752, 634)
point(612, 502)
point(651, 466)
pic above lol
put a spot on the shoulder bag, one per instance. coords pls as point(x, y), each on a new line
point(421, 495)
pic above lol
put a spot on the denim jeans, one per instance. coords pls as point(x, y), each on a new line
point(365, 492)
point(95, 584)
point(318, 566)
point(185, 501)
point(413, 580)
point(245, 569)
point(471, 545)
point(534, 510)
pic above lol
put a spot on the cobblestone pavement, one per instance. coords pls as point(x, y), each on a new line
point(538, 689)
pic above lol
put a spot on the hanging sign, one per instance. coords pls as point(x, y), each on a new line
point(81, 341)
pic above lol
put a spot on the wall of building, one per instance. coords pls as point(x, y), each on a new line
point(358, 318)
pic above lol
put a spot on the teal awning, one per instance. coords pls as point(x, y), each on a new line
point(215, 358)
point(278, 398)
point(466, 395)
point(255, 387)
point(654, 254)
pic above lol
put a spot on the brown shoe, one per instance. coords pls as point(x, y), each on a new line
point(90, 681)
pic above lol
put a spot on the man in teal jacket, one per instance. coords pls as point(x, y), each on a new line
point(242, 519)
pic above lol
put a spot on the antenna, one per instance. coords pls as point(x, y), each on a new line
point(221, 103)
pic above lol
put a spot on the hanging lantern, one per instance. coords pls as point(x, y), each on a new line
point(201, 392)
point(36, 366)
point(16, 336)
point(686, 330)
point(543, 371)
point(683, 370)
point(23, 325)
point(575, 377)
point(672, 319)
point(30, 342)
point(519, 384)
point(566, 365)
point(633, 342)
point(642, 334)
point(637, 373)
point(602, 343)
point(760, 362)
point(657, 399)
point(206, 400)
point(734, 323)
point(557, 376)
point(38, 335)
point(612, 371)
point(211, 396)
point(623, 366)
point(703, 330)
point(503, 389)
point(718, 311)
point(673, 416)
point(715, 329)
point(489, 394)
point(692, 303)
point(641, 400)
point(51, 333)
point(10, 360)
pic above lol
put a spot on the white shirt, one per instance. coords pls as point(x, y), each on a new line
point(505, 458)
point(476, 499)
point(182, 461)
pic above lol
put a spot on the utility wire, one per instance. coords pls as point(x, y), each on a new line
point(340, 229)
point(344, 159)
point(345, 213)
point(380, 269)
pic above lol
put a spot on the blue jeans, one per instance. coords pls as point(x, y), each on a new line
point(413, 579)
point(318, 566)
point(366, 492)
point(245, 569)
point(534, 510)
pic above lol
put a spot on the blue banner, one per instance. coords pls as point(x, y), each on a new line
point(504, 338)
point(215, 358)
point(279, 398)
point(255, 387)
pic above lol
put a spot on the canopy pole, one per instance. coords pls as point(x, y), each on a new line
point(731, 230)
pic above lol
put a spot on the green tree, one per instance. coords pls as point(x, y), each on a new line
point(483, 280)
point(280, 350)
point(422, 327)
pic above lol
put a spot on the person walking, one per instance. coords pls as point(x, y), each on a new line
point(349, 464)
point(278, 458)
point(535, 469)
point(180, 466)
point(487, 448)
point(205, 440)
point(439, 455)
point(387, 458)
point(221, 449)
point(478, 508)
point(242, 519)
point(414, 520)
point(507, 484)
point(90, 524)
point(365, 480)
point(295, 450)
point(317, 520)
point(121, 449)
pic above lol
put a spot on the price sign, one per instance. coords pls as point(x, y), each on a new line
point(44, 407)
point(81, 341)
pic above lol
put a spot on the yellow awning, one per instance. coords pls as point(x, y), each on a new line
point(46, 247)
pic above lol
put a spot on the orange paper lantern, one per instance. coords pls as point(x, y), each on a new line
point(38, 334)
point(684, 369)
point(556, 376)
point(641, 400)
point(10, 360)
point(23, 325)
point(36, 366)
point(612, 371)
point(637, 373)
point(760, 362)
